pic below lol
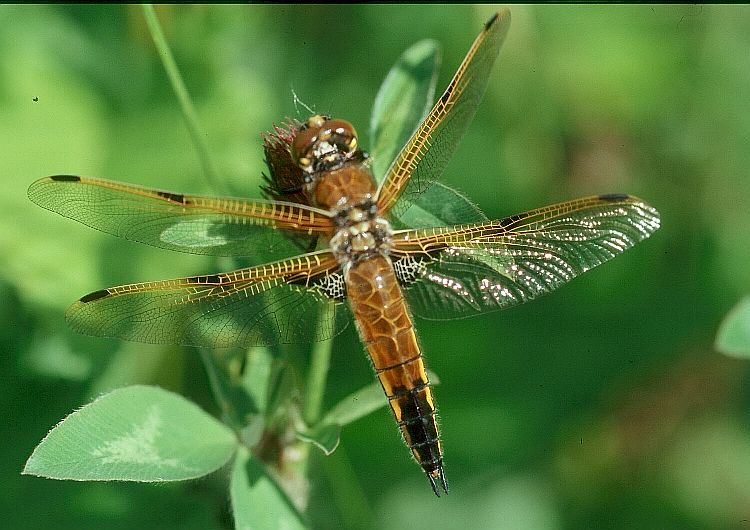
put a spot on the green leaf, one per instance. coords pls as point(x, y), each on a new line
point(326, 437)
point(733, 337)
point(440, 205)
point(223, 371)
point(280, 390)
point(138, 433)
point(361, 403)
point(257, 501)
point(403, 101)
point(356, 405)
point(257, 375)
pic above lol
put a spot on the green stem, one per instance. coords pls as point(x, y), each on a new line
point(218, 383)
point(348, 496)
point(188, 110)
point(320, 362)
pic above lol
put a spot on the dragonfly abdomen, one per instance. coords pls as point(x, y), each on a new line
point(387, 330)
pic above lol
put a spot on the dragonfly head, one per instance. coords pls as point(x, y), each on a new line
point(323, 144)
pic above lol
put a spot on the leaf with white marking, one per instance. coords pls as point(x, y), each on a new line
point(138, 433)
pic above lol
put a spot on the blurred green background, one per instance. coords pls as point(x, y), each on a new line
point(603, 405)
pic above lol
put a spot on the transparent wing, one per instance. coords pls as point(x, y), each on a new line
point(460, 271)
point(271, 304)
point(424, 157)
point(187, 223)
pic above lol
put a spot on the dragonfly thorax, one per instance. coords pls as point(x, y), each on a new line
point(362, 233)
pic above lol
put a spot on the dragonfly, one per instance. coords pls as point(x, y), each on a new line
point(354, 259)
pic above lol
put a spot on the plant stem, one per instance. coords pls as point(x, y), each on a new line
point(320, 362)
point(218, 384)
point(186, 105)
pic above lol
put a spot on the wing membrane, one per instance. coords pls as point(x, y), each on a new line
point(269, 304)
point(187, 223)
point(426, 154)
point(459, 271)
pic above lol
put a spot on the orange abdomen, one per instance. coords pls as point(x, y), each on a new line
point(386, 328)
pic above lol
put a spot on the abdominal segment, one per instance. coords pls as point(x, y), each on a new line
point(386, 329)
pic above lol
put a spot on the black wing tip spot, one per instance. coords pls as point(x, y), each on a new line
point(174, 197)
point(491, 21)
point(65, 178)
point(96, 295)
point(614, 197)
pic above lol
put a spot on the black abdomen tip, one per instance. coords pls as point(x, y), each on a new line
point(437, 475)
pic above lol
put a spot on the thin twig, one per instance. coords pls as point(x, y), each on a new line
point(186, 105)
point(320, 361)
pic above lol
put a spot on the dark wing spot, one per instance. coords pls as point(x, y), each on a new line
point(65, 178)
point(213, 278)
point(174, 197)
point(614, 197)
point(491, 21)
point(508, 221)
point(96, 295)
point(448, 91)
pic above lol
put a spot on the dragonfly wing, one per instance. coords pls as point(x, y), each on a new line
point(187, 223)
point(424, 157)
point(275, 303)
point(456, 272)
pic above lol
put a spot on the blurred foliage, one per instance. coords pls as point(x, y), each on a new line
point(733, 337)
point(601, 406)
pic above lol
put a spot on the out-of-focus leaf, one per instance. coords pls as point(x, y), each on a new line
point(326, 438)
point(257, 374)
point(707, 469)
point(279, 391)
point(53, 356)
point(138, 433)
point(440, 206)
point(356, 405)
point(403, 100)
point(733, 337)
point(361, 403)
point(257, 502)
point(236, 405)
point(519, 502)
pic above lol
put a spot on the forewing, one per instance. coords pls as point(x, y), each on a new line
point(187, 223)
point(459, 271)
point(424, 157)
point(276, 303)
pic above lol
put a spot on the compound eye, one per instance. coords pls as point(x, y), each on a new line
point(322, 137)
point(303, 145)
point(340, 133)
